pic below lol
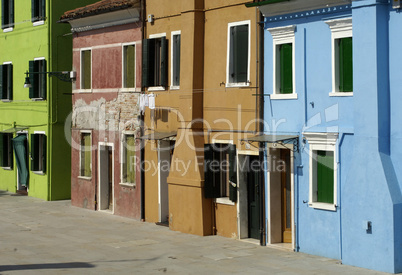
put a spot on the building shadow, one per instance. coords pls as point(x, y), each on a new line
point(46, 266)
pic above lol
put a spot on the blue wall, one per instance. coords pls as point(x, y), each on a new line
point(369, 127)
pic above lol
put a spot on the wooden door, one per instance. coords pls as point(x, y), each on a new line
point(253, 189)
point(286, 197)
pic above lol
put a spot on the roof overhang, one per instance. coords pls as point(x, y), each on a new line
point(103, 20)
point(275, 138)
point(13, 130)
point(278, 7)
point(159, 136)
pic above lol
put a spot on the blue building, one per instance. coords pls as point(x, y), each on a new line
point(332, 87)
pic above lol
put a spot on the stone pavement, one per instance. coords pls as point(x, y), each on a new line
point(38, 237)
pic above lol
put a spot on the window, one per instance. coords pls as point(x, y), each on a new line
point(129, 66)
point(323, 170)
point(6, 81)
point(342, 57)
point(128, 159)
point(220, 170)
point(238, 59)
point(7, 15)
point(38, 10)
point(283, 62)
point(37, 78)
point(86, 155)
point(38, 152)
point(154, 62)
point(86, 82)
point(6, 150)
point(175, 68)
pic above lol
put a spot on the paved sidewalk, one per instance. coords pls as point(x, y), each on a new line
point(40, 237)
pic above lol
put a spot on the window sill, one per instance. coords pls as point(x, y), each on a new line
point(129, 185)
point(175, 87)
point(37, 99)
point(341, 94)
point(283, 96)
point(84, 178)
point(6, 100)
point(8, 30)
point(38, 23)
point(129, 90)
point(7, 168)
point(39, 173)
point(241, 84)
point(158, 88)
point(323, 206)
point(226, 201)
point(84, 91)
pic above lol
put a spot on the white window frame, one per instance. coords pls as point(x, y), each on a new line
point(321, 142)
point(280, 36)
point(123, 71)
point(81, 90)
point(173, 33)
point(43, 133)
point(228, 60)
point(154, 36)
point(80, 152)
point(123, 158)
point(340, 28)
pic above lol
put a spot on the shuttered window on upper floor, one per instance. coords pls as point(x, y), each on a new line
point(38, 79)
point(286, 69)
point(129, 66)
point(38, 10)
point(154, 62)
point(345, 57)
point(238, 54)
point(7, 14)
point(86, 73)
point(6, 81)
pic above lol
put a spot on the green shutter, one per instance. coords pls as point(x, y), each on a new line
point(232, 173)
point(3, 153)
point(34, 10)
point(10, 81)
point(146, 66)
point(88, 155)
point(346, 64)
point(34, 153)
point(240, 53)
point(43, 80)
point(3, 89)
point(130, 66)
point(176, 60)
point(209, 175)
point(11, 14)
point(3, 14)
point(286, 70)
point(325, 176)
point(130, 158)
point(87, 70)
point(42, 10)
point(44, 150)
point(32, 93)
point(164, 62)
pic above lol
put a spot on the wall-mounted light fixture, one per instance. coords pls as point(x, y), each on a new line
point(65, 76)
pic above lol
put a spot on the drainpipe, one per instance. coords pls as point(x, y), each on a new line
point(142, 142)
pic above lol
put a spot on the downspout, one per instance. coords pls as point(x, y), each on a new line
point(260, 99)
point(142, 142)
point(49, 102)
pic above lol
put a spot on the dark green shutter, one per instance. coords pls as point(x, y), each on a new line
point(44, 143)
point(176, 61)
point(325, 176)
point(240, 53)
point(34, 9)
point(87, 82)
point(209, 175)
point(10, 81)
point(232, 173)
point(3, 152)
point(164, 62)
point(32, 93)
point(3, 14)
point(42, 11)
point(146, 64)
point(346, 64)
point(11, 14)
point(10, 151)
point(3, 91)
point(130, 66)
point(34, 153)
point(43, 80)
point(286, 70)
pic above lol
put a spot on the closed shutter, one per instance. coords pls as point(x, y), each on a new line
point(3, 90)
point(34, 152)
point(130, 159)
point(325, 176)
point(88, 155)
point(146, 62)
point(43, 79)
point(130, 66)
point(42, 10)
point(11, 14)
point(164, 62)
point(3, 152)
point(240, 53)
point(232, 173)
point(87, 70)
point(210, 188)
point(3, 13)
point(176, 60)
point(346, 64)
point(286, 70)
point(44, 143)
point(34, 9)
point(32, 80)
point(10, 81)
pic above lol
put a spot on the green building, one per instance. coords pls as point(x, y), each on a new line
point(34, 149)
